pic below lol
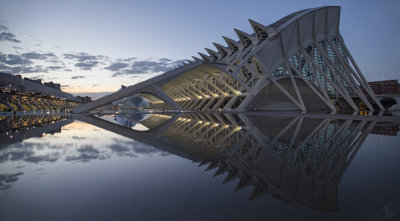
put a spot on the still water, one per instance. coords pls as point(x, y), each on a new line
point(199, 167)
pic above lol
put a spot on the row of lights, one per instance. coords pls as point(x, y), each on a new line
point(207, 123)
point(207, 96)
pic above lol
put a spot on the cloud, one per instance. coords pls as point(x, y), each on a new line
point(7, 36)
point(117, 66)
point(54, 68)
point(13, 59)
point(22, 69)
point(77, 77)
point(165, 60)
point(47, 62)
point(133, 148)
point(6, 180)
point(85, 61)
point(86, 154)
point(73, 151)
point(144, 67)
point(78, 138)
point(9, 70)
point(39, 56)
point(35, 69)
point(3, 28)
point(19, 154)
point(44, 158)
point(86, 65)
point(121, 150)
point(128, 59)
point(25, 63)
point(84, 57)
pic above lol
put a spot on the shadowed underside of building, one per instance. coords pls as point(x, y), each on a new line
point(297, 63)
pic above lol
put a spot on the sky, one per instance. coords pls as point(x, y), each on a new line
point(96, 46)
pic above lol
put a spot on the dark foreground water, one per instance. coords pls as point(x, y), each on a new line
point(199, 167)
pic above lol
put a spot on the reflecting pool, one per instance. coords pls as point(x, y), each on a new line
point(193, 166)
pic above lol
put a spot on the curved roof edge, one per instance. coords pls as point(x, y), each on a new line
point(300, 14)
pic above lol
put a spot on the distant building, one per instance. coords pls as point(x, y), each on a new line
point(17, 94)
point(85, 99)
point(385, 87)
point(88, 99)
point(39, 81)
point(53, 85)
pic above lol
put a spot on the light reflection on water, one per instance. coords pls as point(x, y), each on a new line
point(172, 165)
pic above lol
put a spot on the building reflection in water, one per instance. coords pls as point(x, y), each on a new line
point(296, 159)
point(14, 129)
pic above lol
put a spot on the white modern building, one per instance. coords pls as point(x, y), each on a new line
point(298, 63)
